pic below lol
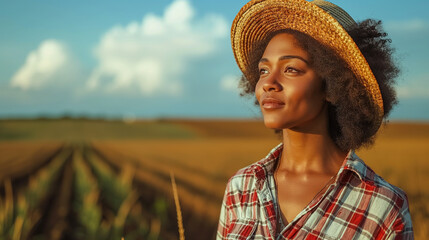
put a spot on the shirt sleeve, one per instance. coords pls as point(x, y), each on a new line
point(402, 228)
point(224, 219)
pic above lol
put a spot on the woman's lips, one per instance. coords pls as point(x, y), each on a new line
point(271, 103)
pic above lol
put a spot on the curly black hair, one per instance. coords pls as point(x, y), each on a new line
point(353, 116)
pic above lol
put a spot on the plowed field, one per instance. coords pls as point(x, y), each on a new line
point(128, 165)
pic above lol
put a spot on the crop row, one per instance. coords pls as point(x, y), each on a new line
point(201, 169)
point(78, 195)
point(21, 210)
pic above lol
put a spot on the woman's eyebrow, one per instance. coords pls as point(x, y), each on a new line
point(286, 57)
point(293, 56)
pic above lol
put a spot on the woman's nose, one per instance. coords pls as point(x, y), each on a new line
point(271, 83)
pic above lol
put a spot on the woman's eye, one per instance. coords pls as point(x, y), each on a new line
point(263, 71)
point(291, 70)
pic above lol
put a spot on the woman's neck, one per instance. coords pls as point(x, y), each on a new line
point(310, 152)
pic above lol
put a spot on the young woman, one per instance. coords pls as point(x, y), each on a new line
point(325, 82)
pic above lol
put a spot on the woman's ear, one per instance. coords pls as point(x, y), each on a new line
point(325, 90)
point(328, 99)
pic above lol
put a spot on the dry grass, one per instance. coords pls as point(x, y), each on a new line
point(178, 209)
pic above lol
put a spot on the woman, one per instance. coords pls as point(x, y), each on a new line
point(325, 82)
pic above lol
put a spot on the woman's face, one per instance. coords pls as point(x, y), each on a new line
point(289, 92)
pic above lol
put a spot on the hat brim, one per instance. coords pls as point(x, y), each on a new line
point(258, 18)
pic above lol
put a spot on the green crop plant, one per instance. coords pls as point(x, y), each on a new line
point(117, 192)
point(87, 211)
point(18, 219)
point(114, 190)
point(6, 209)
point(40, 183)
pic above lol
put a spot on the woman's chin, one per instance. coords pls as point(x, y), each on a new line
point(273, 123)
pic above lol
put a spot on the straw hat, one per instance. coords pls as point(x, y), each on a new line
point(322, 20)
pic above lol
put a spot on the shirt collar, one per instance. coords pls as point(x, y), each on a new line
point(352, 163)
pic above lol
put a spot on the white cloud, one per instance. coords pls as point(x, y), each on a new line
point(43, 66)
point(413, 92)
point(416, 88)
point(409, 25)
point(229, 83)
point(151, 56)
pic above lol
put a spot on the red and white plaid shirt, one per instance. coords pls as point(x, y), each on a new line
point(358, 205)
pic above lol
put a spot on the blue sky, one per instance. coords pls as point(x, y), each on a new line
point(162, 58)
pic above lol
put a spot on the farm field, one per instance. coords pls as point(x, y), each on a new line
point(124, 173)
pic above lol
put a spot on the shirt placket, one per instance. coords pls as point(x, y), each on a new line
point(309, 208)
point(266, 199)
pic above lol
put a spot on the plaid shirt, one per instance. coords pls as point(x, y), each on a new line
point(358, 205)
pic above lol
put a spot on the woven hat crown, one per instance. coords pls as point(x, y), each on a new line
point(336, 12)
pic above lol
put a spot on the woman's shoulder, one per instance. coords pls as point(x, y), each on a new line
point(394, 201)
point(388, 187)
point(381, 202)
point(382, 185)
point(381, 188)
point(246, 177)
